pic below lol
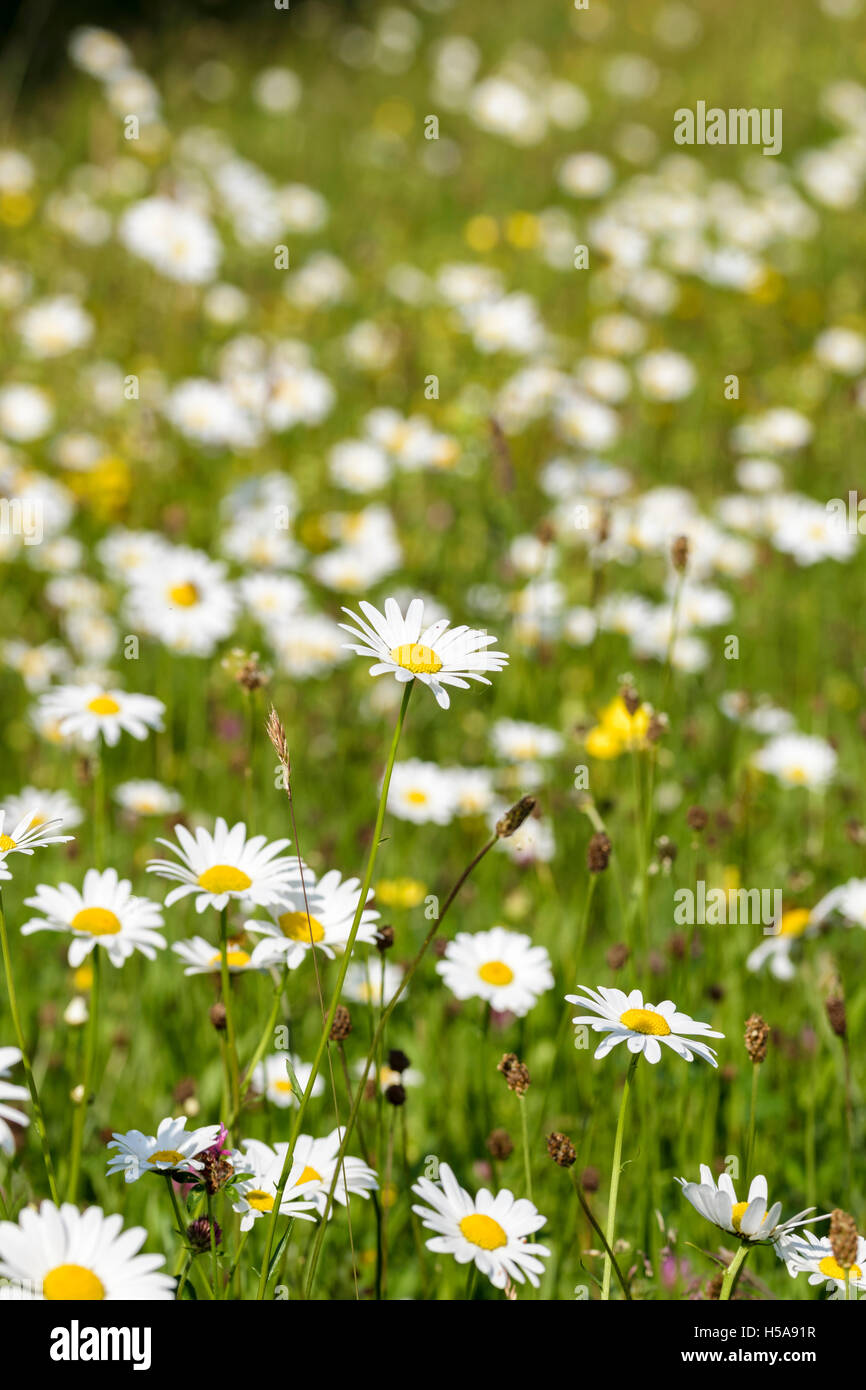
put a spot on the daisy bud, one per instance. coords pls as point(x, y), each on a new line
point(395, 1095)
point(598, 852)
point(514, 818)
point(384, 939)
point(217, 1016)
point(198, 1234)
point(561, 1149)
point(697, 817)
point(499, 1144)
point(837, 1015)
point(342, 1025)
point(756, 1037)
point(680, 553)
point(843, 1238)
point(516, 1073)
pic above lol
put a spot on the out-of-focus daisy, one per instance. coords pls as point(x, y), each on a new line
point(184, 600)
point(318, 1161)
point(364, 983)
point(847, 902)
point(775, 950)
point(147, 798)
point(171, 1149)
point(422, 792)
point(521, 742)
point(256, 1193)
point(42, 806)
point(9, 1091)
point(323, 918)
point(66, 1255)
point(806, 1253)
point(491, 1231)
point(644, 1027)
point(203, 958)
point(500, 966)
point(105, 913)
point(751, 1220)
point(436, 655)
point(271, 1079)
point(798, 760)
point(224, 866)
point(88, 711)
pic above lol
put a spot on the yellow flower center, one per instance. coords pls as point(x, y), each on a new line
point(796, 774)
point(6, 842)
point(283, 1086)
point(184, 595)
point(234, 956)
point(833, 1270)
point(98, 921)
point(103, 704)
point(262, 1201)
point(298, 927)
point(72, 1283)
point(645, 1021)
point(795, 922)
point(416, 798)
point(483, 1231)
point(166, 1156)
point(421, 661)
point(309, 1175)
point(496, 972)
point(224, 878)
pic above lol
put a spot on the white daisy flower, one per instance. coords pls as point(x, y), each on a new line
point(502, 967)
point(848, 902)
point(256, 1193)
point(626, 1018)
point(317, 1159)
point(436, 655)
point(806, 1253)
point(271, 1079)
point(521, 742)
point(364, 983)
point(422, 792)
point(750, 1220)
point(63, 1254)
point(146, 798)
point(42, 806)
point(88, 711)
point(323, 918)
point(26, 835)
point(204, 959)
point(184, 600)
point(224, 866)
point(798, 760)
point(171, 1149)
point(491, 1231)
point(104, 913)
point(9, 1091)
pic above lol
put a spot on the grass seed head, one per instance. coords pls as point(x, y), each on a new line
point(756, 1037)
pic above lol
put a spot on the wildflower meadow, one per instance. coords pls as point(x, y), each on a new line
point(433, 668)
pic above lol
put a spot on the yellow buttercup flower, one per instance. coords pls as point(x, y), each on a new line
point(618, 731)
point(400, 892)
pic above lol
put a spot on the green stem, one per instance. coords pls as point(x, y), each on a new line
point(38, 1118)
point(524, 1128)
point(614, 1179)
point(225, 976)
point(599, 1232)
point(335, 998)
point(267, 1034)
point(732, 1272)
point(80, 1116)
point(750, 1144)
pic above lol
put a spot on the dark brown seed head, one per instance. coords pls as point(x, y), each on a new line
point(217, 1016)
point(397, 1060)
point(396, 1094)
point(843, 1238)
point(514, 818)
point(697, 817)
point(184, 1090)
point(561, 1149)
point(666, 851)
point(342, 1025)
point(500, 1144)
point(756, 1037)
point(215, 1171)
point(618, 955)
point(384, 939)
point(837, 1015)
point(251, 675)
point(515, 1072)
point(590, 1179)
point(680, 553)
point(198, 1234)
point(657, 727)
point(598, 852)
point(630, 698)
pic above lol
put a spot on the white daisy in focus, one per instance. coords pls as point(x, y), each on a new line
point(63, 1254)
point(644, 1027)
point(436, 655)
point(318, 1161)
point(499, 966)
point(806, 1253)
point(26, 835)
point(322, 918)
point(88, 711)
point(798, 760)
point(271, 1079)
point(171, 1149)
point(751, 1220)
point(104, 913)
point(491, 1231)
point(9, 1091)
point(256, 1193)
point(224, 866)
